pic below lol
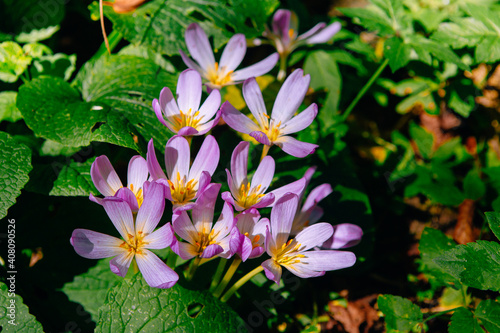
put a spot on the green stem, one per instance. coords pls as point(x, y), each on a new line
point(192, 268)
point(265, 150)
point(439, 314)
point(240, 283)
point(282, 73)
point(114, 38)
point(229, 274)
point(365, 88)
point(136, 267)
point(171, 259)
point(218, 274)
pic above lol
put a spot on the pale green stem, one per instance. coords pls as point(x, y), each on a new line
point(265, 150)
point(135, 266)
point(229, 274)
point(218, 274)
point(192, 268)
point(365, 88)
point(114, 38)
point(189, 139)
point(282, 73)
point(240, 283)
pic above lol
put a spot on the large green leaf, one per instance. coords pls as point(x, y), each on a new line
point(463, 321)
point(128, 85)
point(54, 110)
point(8, 109)
point(74, 180)
point(14, 315)
point(161, 24)
point(398, 52)
point(475, 264)
point(488, 311)
point(15, 163)
point(493, 219)
point(90, 289)
point(133, 306)
point(400, 313)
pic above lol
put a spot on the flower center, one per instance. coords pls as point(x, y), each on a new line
point(218, 76)
point(188, 119)
point(249, 196)
point(272, 130)
point(134, 244)
point(138, 194)
point(182, 191)
point(255, 240)
point(288, 254)
point(205, 239)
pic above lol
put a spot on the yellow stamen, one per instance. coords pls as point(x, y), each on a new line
point(218, 75)
point(249, 196)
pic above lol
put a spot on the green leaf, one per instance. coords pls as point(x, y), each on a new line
point(400, 313)
point(463, 108)
point(15, 163)
point(432, 244)
point(14, 314)
point(463, 321)
point(157, 23)
point(128, 86)
point(13, 61)
point(149, 54)
point(438, 50)
point(398, 52)
point(422, 138)
point(74, 180)
point(37, 35)
point(133, 306)
point(493, 219)
point(371, 17)
point(60, 65)
point(474, 187)
point(54, 110)
point(488, 311)
point(325, 74)
point(488, 50)
point(90, 289)
point(8, 109)
point(474, 264)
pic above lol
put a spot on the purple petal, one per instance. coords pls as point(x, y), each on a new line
point(188, 131)
point(303, 270)
point(237, 120)
point(120, 264)
point(239, 164)
point(264, 174)
point(282, 217)
point(344, 235)
point(167, 103)
point(137, 172)
point(246, 248)
point(261, 137)
point(183, 227)
point(290, 96)
point(295, 187)
point(235, 241)
point(255, 101)
point(151, 211)
point(189, 91)
point(226, 249)
point(199, 46)
point(295, 147)
point(120, 214)
point(225, 223)
point(177, 157)
point(247, 220)
point(316, 195)
point(265, 201)
point(159, 114)
point(204, 181)
point(210, 106)
point(153, 165)
point(314, 235)
point(300, 121)
point(94, 245)
point(104, 176)
point(160, 238)
point(95, 199)
point(281, 24)
point(272, 270)
point(203, 211)
point(323, 35)
point(258, 69)
point(211, 250)
point(156, 273)
point(312, 31)
point(202, 129)
point(227, 197)
point(315, 214)
point(256, 252)
point(190, 63)
point(328, 260)
point(207, 158)
point(233, 53)
point(128, 196)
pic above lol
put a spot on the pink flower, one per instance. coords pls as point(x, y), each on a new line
point(275, 130)
point(245, 194)
point(248, 238)
point(183, 182)
point(186, 117)
point(138, 236)
point(222, 74)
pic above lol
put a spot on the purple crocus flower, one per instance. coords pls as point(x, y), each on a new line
point(247, 239)
point(137, 238)
point(275, 130)
point(222, 74)
point(284, 35)
point(204, 239)
point(182, 182)
point(109, 184)
point(186, 117)
point(293, 254)
point(245, 194)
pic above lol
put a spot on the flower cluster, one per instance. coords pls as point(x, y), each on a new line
point(291, 236)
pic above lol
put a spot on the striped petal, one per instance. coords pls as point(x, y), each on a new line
point(104, 176)
point(94, 245)
point(121, 263)
point(199, 46)
point(156, 273)
point(189, 90)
